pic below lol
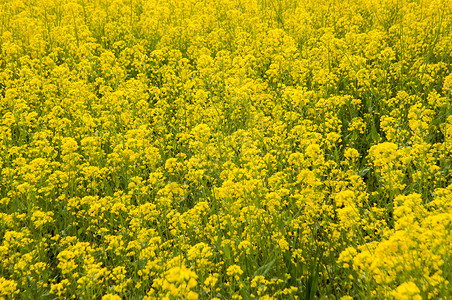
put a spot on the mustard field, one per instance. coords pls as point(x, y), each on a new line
point(226, 149)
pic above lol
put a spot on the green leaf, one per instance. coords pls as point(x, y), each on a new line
point(313, 280)
point(374, 134)
point(263, 270)
point(363, 172)
point(227, 252)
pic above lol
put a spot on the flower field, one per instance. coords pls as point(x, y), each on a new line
point(225, 149)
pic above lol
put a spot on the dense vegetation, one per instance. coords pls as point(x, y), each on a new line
point(228, 149)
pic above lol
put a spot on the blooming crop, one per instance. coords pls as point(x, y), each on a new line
point(225, 149)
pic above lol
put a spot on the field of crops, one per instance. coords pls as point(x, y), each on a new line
point(225, 149)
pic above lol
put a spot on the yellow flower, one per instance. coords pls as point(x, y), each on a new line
point(40, 218)
point(234, 271)
point(211, 280)
point(8, 287)
point(447, 85)
point(69, 145)
point(192, 295)
point(407, 291)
